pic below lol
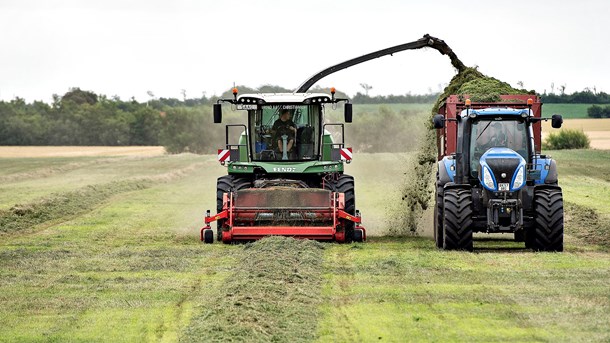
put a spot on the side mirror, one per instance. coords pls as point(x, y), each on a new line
point(217, 113)
point(438, 121)
point(556, 121)
point(347, 112)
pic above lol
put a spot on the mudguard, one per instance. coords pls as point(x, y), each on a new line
point(445, 172)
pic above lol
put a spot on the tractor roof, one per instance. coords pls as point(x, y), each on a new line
point(283, 98)
point(497, 111)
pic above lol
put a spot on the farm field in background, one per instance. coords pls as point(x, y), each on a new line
point(127, 265)
point(568, 111)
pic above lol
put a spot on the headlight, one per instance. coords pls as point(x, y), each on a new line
point(520, 178)
point(487, 180)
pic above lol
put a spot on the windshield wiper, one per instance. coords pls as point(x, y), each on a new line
point(479, 136)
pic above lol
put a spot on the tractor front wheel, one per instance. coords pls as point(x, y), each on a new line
point(547, 232)
point(457, 219)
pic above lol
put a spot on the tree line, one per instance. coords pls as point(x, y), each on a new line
point(82, 117)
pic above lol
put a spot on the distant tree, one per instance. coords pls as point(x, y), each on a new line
point(366, 88)
point(595, 111)
point(79, 97)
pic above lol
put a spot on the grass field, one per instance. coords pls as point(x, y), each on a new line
point(568, 111)
point(106, 249)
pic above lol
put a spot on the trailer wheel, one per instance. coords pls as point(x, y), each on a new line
point(457, 219)
point(346, 185)
point(438, 217)
point(548, 225)
point(208, 236)
point(225, 184)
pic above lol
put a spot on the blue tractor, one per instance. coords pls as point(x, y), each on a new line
point(492, 178)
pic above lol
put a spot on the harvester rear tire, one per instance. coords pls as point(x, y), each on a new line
point(457, 219)
point(438, 217)
point(548, 226)
point(225, 184)
point(208, 236)
point(358, 236)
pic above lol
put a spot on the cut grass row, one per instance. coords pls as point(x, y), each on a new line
point(28, 185)
point(272, 295)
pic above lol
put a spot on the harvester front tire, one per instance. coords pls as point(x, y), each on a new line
point(346, 185)
point(225, 184)
point(438, 218)
point(457, 219)
point(548, 225)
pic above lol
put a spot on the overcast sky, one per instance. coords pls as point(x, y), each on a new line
point(126, 48)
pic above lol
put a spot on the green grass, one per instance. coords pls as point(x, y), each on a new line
point(568, 111)
point(130, 270)
point(406, 290)
point(23, 187)
point(129, 266)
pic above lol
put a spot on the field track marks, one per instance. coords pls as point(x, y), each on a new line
point(68, 204)
point(272, 295)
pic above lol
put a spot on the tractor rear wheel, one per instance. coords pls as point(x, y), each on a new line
point(225, 184)
point(438, 217)
point(457, 219)
point(548, 225)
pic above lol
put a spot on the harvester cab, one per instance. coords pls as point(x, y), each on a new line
point(492, 178)
point(285, 172)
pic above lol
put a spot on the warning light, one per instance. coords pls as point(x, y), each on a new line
point(468, 102)
point(234, 90)
point(332, 90)
point(530, 102)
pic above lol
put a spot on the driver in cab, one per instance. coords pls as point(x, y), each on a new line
point(284, 126)
point(496, 137)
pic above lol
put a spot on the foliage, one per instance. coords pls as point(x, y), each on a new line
point(566, 139)
point(585, 96)
point(596, 111)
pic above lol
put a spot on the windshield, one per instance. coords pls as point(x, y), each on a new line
point(496, 133)
point(285, 132)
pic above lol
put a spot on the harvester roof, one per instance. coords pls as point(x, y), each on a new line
point(266, 98)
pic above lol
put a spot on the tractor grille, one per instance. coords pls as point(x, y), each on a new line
point(503, 165)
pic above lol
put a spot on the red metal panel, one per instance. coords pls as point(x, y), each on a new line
point(258, 232)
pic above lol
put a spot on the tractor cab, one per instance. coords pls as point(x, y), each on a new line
point(284, 127)
point(496, 131)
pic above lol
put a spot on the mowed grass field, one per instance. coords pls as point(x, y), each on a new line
point(106, 249)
